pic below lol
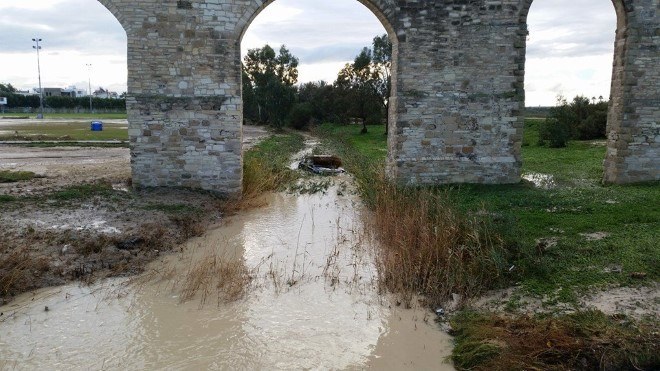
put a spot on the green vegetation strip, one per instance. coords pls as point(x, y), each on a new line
point(63, 131)
point(8, 176)
point(587, 340)
point(552, 228)
point(266, 166)
point(562, 237)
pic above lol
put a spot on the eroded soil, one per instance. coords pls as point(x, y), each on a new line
point(79, 219)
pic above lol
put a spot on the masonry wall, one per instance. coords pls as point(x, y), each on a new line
point(633, 142)
point(459, 93)
point(457, 98)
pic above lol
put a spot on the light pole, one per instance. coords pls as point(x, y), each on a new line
point(41, 91)
point(89, 81)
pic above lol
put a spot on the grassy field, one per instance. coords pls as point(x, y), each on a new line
point(555, 257)
point(566, 236)
point(76, 116)
point(69, 130)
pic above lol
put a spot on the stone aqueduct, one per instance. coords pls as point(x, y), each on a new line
point(457, 99)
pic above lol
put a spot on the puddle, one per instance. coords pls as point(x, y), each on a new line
point(312, 303)
point(97, 225)
point(120, 187)
point(543, 181)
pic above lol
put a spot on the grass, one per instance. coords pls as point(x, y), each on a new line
point(428, 246)
point(586, 340)
point(570, 205)
point(63, 131)
point(82, 191)
point(8, 176)
point(575, 205)
point(91, 116)
point(266, 166)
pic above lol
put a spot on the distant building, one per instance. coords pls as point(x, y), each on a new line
point(71, 91)
point(102, 93)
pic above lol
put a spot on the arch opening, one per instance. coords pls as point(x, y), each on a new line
point(569, 76)
point(325, 37)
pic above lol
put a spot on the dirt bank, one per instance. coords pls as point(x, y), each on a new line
point(78, 219)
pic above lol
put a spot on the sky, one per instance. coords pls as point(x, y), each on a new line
point(569, 49)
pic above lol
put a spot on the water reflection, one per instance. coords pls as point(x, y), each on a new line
point(543, 181)
point(313, 303)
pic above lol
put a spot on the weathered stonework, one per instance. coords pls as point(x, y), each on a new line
point(457, 97)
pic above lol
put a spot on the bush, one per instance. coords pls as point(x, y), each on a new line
point(301, 116)
point(577, 120)
point(554, 132)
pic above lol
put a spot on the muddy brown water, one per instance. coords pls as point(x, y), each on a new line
point(312, 303)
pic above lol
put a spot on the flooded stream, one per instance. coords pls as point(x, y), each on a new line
point(311, 302)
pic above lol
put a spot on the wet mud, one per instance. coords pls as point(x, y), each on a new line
point(311, 301)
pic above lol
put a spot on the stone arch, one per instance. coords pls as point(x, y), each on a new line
point(632, 120)
point(457, 96)
point(378, 7)
point(381, 9)
point(113, 8)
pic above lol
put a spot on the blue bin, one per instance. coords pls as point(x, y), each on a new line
point(97, 126)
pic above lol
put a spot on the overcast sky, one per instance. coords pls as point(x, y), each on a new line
point(569, 49)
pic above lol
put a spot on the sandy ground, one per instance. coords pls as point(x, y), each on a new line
point(47, 240)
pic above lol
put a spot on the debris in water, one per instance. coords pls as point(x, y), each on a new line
point(322, 164)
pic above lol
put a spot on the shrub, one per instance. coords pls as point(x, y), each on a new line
point(301, 116)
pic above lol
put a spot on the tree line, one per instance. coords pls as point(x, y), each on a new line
point(580, 119)
point(360, 92)
point(15, 100)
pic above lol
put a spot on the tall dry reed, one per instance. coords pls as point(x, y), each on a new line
point(428, 247)
point(426, 244)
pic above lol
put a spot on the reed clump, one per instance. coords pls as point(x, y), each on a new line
point(266, 168)
point(428, 247)
point(227, 278)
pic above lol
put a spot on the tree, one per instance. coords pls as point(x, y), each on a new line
point(579, 119)
point(8, 88)
point(365, 83)
point(272, 78)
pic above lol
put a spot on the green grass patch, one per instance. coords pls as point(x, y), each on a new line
point(37, 144)
point(63, 131)
point(587, 340)
point(574, 204)
point(7, 198)
point(82, 191)
point(266, 165)
point(93, 116)
point(8, 176)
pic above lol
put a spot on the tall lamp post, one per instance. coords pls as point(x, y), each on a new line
point(41, 91)
point(89, 82)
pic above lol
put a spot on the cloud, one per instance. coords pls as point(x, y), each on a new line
point(562, 28)
point(569, 46)
point(81, 25)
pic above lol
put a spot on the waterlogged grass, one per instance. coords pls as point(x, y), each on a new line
point(173, 208)
point(8, 176)
point(586, 340)
point(66, 131)
point(428, 245)
point(82, 191)
point(6, 199)
point(266, 166)
point(574, 206)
